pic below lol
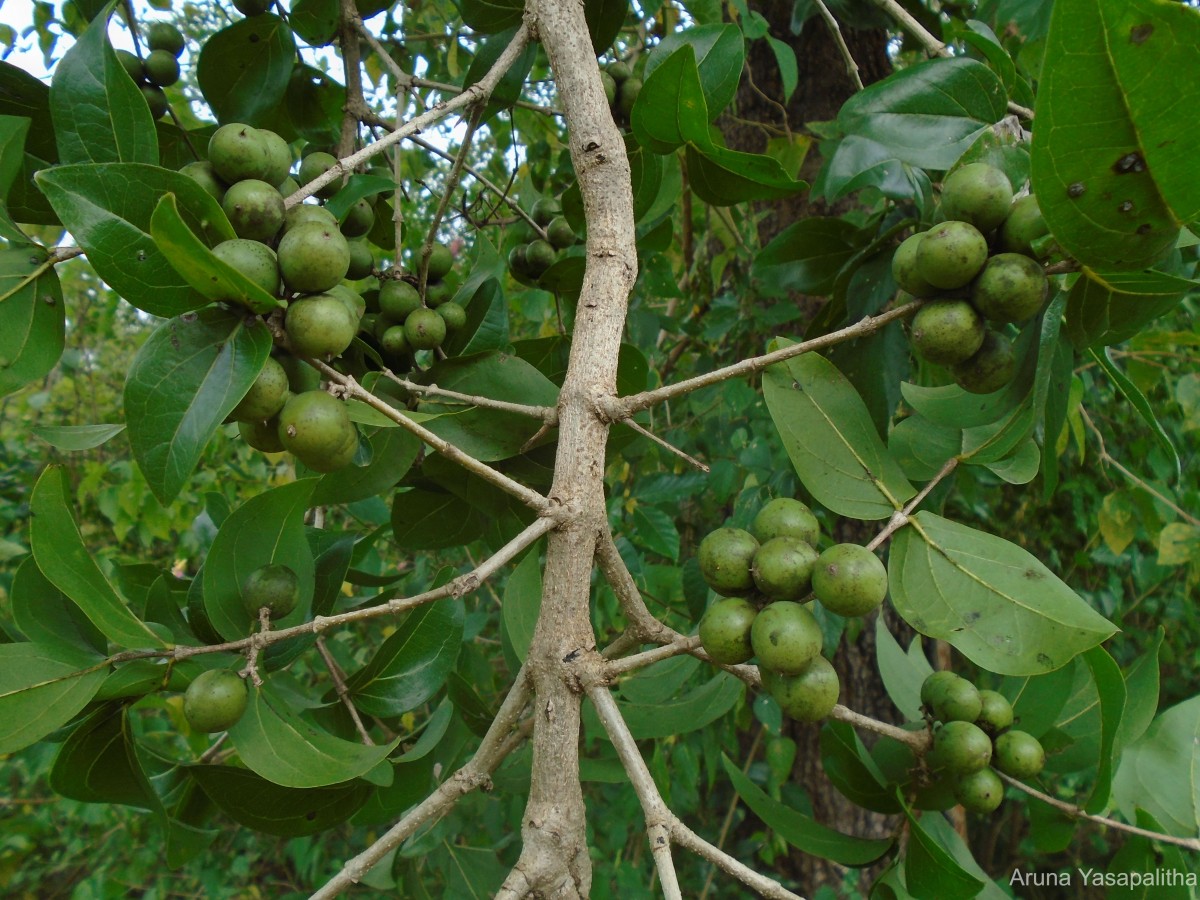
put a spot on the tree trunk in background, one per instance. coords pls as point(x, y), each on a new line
point(824, 85)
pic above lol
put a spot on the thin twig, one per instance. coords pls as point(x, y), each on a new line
point(339, 685)
point(900, 518)
point(646, 433)
point(836, 30)
point(450, 186)
point(727, 822)
point(212, 751)
point(545, 413)
point(917, 740)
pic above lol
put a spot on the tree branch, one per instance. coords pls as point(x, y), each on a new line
point(339, 685)
point(545, 413)
point(836, 31)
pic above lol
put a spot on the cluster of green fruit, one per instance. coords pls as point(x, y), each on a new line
point(621, 88)
point(969, 281)
point(974, 734)
point(762, 574)
point(159, 69)
point(217, 698)
point(530, 259)
point(397, 320)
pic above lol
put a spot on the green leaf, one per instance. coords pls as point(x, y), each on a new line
point(1178, 544)
point(508, 90)
point(1110, 688)
point(393, 451)
point(1138, 401)
point(789, 71)
point(720, 54)
point(1020, 466)
point(523, 602)
point(99, 762)
point(313, 104)
point(725, 177)
point(1090, 165)
point(483, 298)
point(807, 255)
point(931, 873)
point(851, 770)
point(679, 715)
point(604, 21)
point(990, 599)
point(902, 673)
point(315, 21)
point(1140, 857)
point(209, 276)
point(828, 434)
point(32, 318)
point(1111, 307)
point(184, 381)
point(100, 115)
point(41, 689)
point(654, 530)
point(492, 16)
point(927, 115)
point(243, 70)
point(1037, 701)
point(73, 438)
point(266, 529)
point(922, 447)
point(1142, 691)
point(413, 663)
point(13, 132)
point(285, 749)
point(1160, 772)
point(107, 208)
point(287, 812)
point(801, 831)
point(429, 520)
point(71, 567)
point(670, 110)
point(46, 616)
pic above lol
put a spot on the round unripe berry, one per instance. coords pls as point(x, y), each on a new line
point(238, 152)
point(785, 516)
point(545, 210)
point(274, 586)
point(991, 367)
point(957, 700)
point(1019, 754)
point(725, 630)
point(1023, 226)
point(252, 7)
point(313, 166)
point(979, 194)
point(786, 637)
point(782, 568)
point(619, 70)
point(808, 696)
point(610, 87)
point(279, 155)
point(627, 95)
point(947, 332)
point(539, 256)
point(849, 580)
point(164, 36)
point(960, 748)
point(1011, 288)
point(424, 329)
point(155, 99)
point(393, 341)
point(215, 701)
point(161, 67)
point(255, 209)
point(252, 259)
point(203, 174)
point(437, 293)
point(904, 268)
point(398, 299)
point(317, 429)
point(725, 556)
point(996, 714)
point(933, 686)
point(441, 261)
point(453, 315)
point(560, 234)
point(266, 395)
point(131, 64)
point(359, 219)
point(979, 792)
point(313, 258)
point(308, 214)
point(362, 261)
point(301, 376)
point(951, 254)
point(320, 326)
point(262, 434)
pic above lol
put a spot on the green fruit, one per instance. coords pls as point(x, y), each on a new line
point(951, 254)
point(933, 686)
point(204, 175)
point(266, 395)
point(1023, 226)
point(313, 258)
point(979, 194)
point(438, 293)
point(809, 695)
point(947, 332)
point(161, 67)
point(131, 64)
point(441, 261)
point(317, 428)
point(274, 586)
point(619, 70)
point(1019, 754)
point(397, 299)
point(782, 567)
point(991, 368)
point(287, 187)
point(164, 36)
point(725, 556)
point(238, 152)
point(215, 701)
point(960, 748)
point(313, 166)
point(320, 326)
point(785, 516)
point(545, 210)
point(957, 701)
point(252, 7)
point(996, 714)
point(308, 214)
point(362, 261)
point(280, 156)
point(786, 637)
point(979, 792)
point(517, 264)
point(610, 89)
point(262, 435)
point(156, 100)
point(393, 341)
point(453, 315)
point(904, 268)
point(255, 209)
point(849, 580)
point(627, 95)
point(560, 233)
point(425, 329)
point(301, 376)
point(725, 630)
point(1011, 288)
point(359, 219)
point(354, 302)
point(539, 256)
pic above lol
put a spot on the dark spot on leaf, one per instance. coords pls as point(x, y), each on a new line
point(1145, 228)
point(1076, 189)
point(49, 300)
point(1130, 162)
point(1032, 574)
point(972, 617)
point(141, 256)
point(796, 386)
point(1125, 206)
point(189, 317)
point(310, 816)
point(1139, 33)
point(1044, 660)
point(254, 39)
